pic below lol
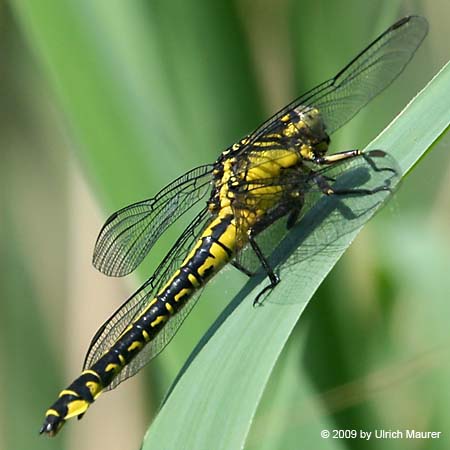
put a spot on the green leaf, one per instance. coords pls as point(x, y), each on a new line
point(215, 398)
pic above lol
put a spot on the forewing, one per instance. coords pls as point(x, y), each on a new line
point(373, 70)
point(110, 331)
point(129, 234)
point(369, 73)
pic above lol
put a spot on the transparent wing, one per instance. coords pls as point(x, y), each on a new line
point(369, 73)
point(129, 234)
point(300, 193)
point(110, 331)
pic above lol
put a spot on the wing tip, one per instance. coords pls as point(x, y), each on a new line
point(424, 25)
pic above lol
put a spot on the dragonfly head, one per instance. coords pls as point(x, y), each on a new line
point(313, 138)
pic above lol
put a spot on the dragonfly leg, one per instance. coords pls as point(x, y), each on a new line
point(274, 279)
point(368, 156)
point(323, 181)
point(292, 211)
point(293, 217)
point(379, 154)
point(331, 159)
point(326, 188)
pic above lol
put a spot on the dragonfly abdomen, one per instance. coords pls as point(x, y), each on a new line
point(212, 251)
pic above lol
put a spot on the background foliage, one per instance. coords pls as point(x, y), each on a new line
point(103, 103)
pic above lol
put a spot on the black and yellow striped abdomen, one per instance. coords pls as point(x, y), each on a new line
point(212, 251)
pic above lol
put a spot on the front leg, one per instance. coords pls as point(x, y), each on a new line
point(348, 154)
point(331, 159)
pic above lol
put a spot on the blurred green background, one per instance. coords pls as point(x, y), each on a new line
point(104, 102)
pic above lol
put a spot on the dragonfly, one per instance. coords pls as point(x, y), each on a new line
point(276, 172)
